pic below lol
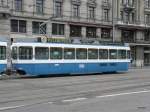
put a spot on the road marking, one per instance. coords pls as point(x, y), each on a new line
point(50, 102)
point(73, 100)
point(121, 94)
point(13, 107)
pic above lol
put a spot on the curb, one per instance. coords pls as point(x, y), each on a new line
point(7, 77)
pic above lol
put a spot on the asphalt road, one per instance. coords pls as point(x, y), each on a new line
point(121, 92)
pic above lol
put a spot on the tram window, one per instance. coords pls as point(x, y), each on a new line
point(55, 53)
point(81, 53)
point(25, 53)
point(121, 54)
point(69, 53)
point(14, 52)
point(92, 53)
point(103, 54)
point(41, 53)
point(2, 52)
point(128, 55)
point(113, 54)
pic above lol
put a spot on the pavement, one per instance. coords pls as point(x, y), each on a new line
point(120, 92)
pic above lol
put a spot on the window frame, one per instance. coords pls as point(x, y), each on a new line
point(18, 5)
point(3, 52)
point(103, 56)
point(58, 29)
point(39, 6)
point(121, 56)
point(24, 55)
point(97, 57)
point(77, 55)
point(115, 54)
point(19, 28)
point(51, 54)
point(36, 27)
point(47, 54)
point(73, 49)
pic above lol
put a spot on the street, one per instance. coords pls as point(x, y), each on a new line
point(120, 92)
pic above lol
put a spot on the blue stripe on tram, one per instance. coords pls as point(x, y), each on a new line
point(71, 68)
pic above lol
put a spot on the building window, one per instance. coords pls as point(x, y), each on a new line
point(39, 6)
point(75, 31)
point(127, 17)
point(58, 9)
point(106, 14)
point(105, 33)
point(147, 18)
point(128, 36)
point(121, 15)
point(57, 29)
point(133, 17)
point(147, 35)
point(91, 32)
point(91, 12)
point(147, 3)
point(128, 2)
point(18, 5)
point(76, 10)
point(106, 1)
point(38, 28)
point(18, 26)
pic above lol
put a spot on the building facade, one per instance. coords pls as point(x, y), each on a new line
point(104, 20)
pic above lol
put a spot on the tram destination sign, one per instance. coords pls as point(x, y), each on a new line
point(58, 40)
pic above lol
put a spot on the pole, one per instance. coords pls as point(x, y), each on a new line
point(113, 23)
point(9, 61)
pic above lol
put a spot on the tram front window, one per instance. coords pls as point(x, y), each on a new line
point(25, 53)
point(2, 52)
point(55, 53)
point(121, 54)
point(128, 55)
point(112, 54)
point(103, 54)
point(81, 53)
point(92, 53)
point(42, 53)
point(69, 53)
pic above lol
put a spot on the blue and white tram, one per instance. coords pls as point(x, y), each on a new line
point(60, 58)
point(3, 61)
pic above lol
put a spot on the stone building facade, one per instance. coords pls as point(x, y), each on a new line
point(104, 20)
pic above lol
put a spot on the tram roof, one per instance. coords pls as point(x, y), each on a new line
point(3, 43)
point(71, 45)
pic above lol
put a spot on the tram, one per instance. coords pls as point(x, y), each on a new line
point(3, 61)
point(37, 59)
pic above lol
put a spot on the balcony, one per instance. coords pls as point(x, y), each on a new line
point(134, 42)
point(128, 7)
point(106, 5)
point(130, 24)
